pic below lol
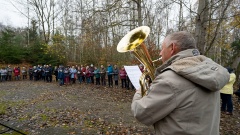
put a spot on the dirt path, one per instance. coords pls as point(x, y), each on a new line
point(45, 108)
point(39, 108)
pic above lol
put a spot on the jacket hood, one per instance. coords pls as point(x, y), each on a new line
point(197, 68)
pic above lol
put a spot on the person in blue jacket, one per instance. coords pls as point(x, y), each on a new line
point(97, 75)
point(110, 73)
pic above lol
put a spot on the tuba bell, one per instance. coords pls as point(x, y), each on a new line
point(133, 42)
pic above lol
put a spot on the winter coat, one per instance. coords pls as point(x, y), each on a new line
point(103, 72)
point(24, 71)
point(30, 71)
point(91, 69)
point(60, 73)
point(184, 98)
point(39, 69)
point(48, 71)
point(123, 74)
point(35, 72)
point(73, 71)
point(16, 72)
point(43, 71)
point(56, 72)
point(228, 88)
point(3, 72)
point(115, 74)
point(66, 72)
point(9, 69)
point(79, 73)
point(110, 70)
point(87, 73)
point(83, 70)
point(97, 73)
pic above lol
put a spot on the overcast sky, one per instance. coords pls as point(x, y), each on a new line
point(9, 15)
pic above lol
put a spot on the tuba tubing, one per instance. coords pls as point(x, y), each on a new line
point(133, 42)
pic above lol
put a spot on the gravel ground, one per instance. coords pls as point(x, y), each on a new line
point(40, 108)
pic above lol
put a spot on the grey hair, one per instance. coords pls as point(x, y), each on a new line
point(183, 39)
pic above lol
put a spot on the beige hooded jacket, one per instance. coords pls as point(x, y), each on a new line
point(184, 98)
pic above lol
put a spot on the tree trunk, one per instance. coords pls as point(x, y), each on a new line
point(201, 20)
point(180, 18)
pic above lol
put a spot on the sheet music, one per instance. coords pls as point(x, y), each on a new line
point(134, 74)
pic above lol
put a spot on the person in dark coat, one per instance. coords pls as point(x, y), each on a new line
point(115, 75)
point(9, 74)
point(91, 69)
point(80, 75)
point(97, 75)
point(35, 73)
point(61, 75)
point(103, 75)
point(30, 73)
point(48, 73)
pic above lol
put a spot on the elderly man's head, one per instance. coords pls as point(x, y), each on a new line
point(175, 43)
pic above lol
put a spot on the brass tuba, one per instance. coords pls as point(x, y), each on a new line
point(133, 42)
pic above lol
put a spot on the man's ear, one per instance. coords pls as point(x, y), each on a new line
point(175, 49)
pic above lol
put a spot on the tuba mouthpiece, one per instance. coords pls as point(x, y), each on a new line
point(159, 59)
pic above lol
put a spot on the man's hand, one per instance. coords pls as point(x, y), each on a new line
point(138, 91)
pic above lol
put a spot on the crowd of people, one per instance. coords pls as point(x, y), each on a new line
point(66, 75)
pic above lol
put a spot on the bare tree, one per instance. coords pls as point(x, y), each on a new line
point(205, 11)
point(43, 10)
point(97, 26)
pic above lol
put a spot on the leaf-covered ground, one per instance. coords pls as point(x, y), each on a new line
point(40, 108)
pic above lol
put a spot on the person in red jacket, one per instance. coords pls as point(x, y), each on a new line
point(123, 77)
point(16, 72)
point(87, 75)
point(141, 68)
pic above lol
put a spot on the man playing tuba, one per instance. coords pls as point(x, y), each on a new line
point(184, 97)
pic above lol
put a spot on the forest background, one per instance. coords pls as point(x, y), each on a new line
point(88, 31)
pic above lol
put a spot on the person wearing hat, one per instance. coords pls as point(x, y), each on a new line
point(226, 94)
